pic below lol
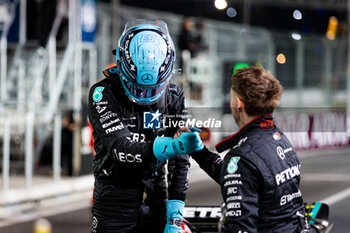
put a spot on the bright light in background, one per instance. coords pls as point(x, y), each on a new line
point(296, 36)
point(42, 225)
point(281, 59)
point(332, 28)
point(297, 15)
point(231, 12)
point(220, 4)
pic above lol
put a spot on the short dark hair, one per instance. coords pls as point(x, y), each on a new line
point(258, 88)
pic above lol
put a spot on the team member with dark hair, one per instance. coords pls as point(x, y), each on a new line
point(260, 175)
point(130, 192)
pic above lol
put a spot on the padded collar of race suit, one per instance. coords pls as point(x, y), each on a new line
point(111, 70)
point(263, 122)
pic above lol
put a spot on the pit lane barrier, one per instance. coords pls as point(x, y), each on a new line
point(23, 200)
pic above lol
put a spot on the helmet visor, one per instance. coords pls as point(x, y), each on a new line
point(142, 94)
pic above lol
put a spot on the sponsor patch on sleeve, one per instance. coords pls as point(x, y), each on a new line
point(232, 165)
point(276, 136)
point(97, 95)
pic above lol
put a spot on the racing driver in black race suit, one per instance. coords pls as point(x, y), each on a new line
point(260, 175)
point(125, 109)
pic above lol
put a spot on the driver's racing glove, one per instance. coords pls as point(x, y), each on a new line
point(165, 148)
point(174, 209)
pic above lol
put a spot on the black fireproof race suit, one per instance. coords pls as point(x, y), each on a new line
point(259, 179)
point(130, 186)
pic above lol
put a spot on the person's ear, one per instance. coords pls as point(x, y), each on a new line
point(239, 104)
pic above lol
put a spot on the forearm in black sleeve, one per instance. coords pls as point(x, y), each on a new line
point(178, 174)
point(210, 162)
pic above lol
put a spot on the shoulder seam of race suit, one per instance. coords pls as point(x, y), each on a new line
point(229, 141)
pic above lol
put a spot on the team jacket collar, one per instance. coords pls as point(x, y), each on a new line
point(264, 122)
point(110, 70)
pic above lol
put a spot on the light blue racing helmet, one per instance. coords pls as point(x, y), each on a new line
point(145, 58)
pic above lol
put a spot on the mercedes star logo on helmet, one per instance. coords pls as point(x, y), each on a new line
point(147, 78)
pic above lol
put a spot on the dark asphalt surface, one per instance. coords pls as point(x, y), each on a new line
point(326, 164)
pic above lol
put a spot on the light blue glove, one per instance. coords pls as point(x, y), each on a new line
point(174, 209)
point(166, 147)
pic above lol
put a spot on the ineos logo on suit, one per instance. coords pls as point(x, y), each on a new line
point(127, 157)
